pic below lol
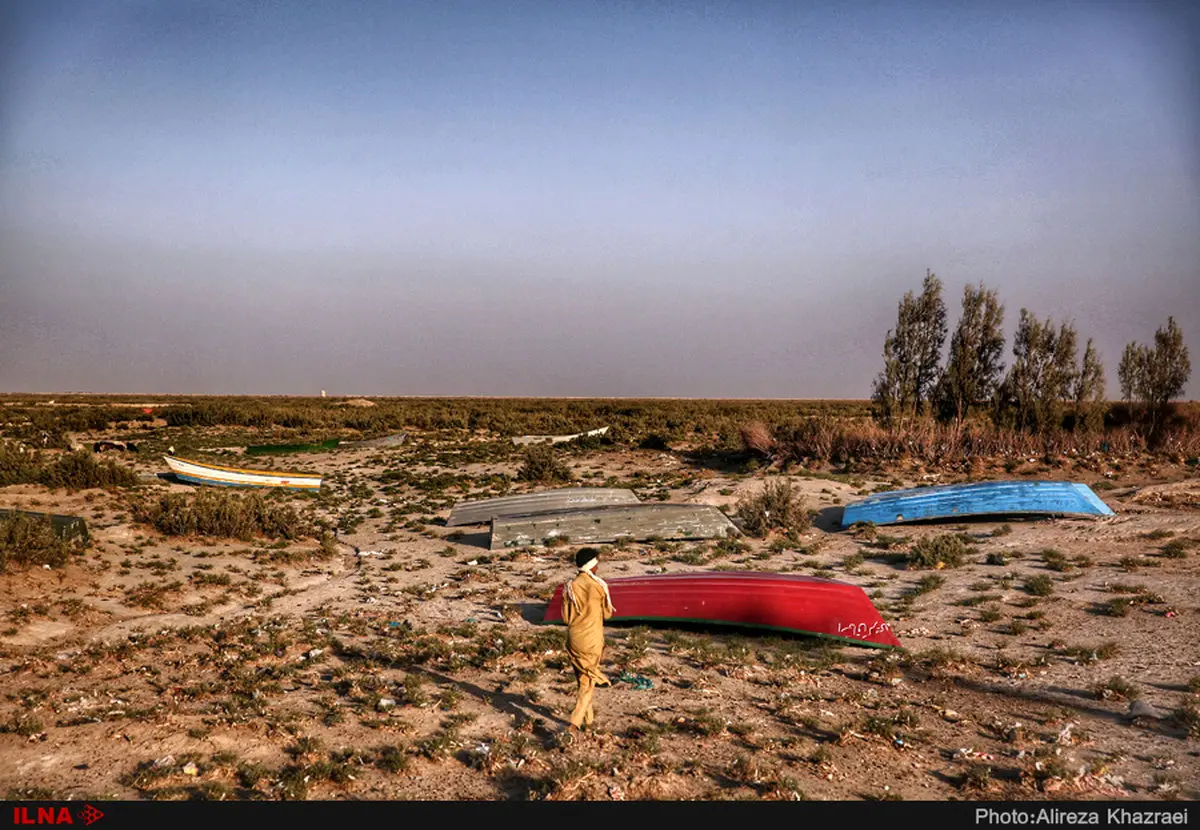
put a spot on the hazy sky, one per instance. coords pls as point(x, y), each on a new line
point(628, 198)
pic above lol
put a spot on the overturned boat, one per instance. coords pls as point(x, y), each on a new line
point(524, 440)
point(482, 511)
point(375, 443)
point(613, 523)
point(776, 602)
point(977, 500)
point(211, 474)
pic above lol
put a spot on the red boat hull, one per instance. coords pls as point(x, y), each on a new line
point(783, 602)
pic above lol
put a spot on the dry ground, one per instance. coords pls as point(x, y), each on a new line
point(412, 666)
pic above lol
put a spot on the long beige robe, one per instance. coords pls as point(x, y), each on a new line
point(585, 625)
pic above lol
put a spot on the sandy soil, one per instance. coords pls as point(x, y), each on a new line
point(412, 666)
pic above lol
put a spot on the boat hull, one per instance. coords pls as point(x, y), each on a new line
point(977, 500)
point(526, 440)
point(770, 601)
point(611, 523)
point(212, 475)
point(482, 511)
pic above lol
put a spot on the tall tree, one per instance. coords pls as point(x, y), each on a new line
point(1043, 373)
point(1156, 376)
point(929, 336)
point(1089, 391)
point(1130, 373)
point(976, 348)
point(912, 353)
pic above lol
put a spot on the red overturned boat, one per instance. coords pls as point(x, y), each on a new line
point(779, 602)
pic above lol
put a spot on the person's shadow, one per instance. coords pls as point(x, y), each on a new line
point(515, 705)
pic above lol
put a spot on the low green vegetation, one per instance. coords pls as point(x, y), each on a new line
point(949, 550)
point(777, 506)
point(71, 471)
point(223, 515)
point(28, 540)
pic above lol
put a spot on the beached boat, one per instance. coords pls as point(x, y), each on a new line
point(212, 474)
point(977, 500)
point(612, 523)
point(375, 443)
point(482, 511)
point(523, 440)
point(752, 599)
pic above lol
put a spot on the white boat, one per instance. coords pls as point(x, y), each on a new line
point(524, 440)
point(212, 474)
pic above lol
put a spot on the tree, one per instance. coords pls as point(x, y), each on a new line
point(929, 335)
point(1043, 374)
point(974, 367)
point(1089, 391)
point(1154, 377)
point(1130, 373)
point(912, 353)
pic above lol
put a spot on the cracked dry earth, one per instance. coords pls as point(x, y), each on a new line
point(412, 665)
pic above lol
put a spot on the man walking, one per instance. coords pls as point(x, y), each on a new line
point(586, 604)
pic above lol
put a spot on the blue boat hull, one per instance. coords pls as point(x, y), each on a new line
point(987, 498)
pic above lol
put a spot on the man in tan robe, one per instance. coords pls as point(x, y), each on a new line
point(586, 604)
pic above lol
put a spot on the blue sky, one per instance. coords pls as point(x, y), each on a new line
point(708, 199)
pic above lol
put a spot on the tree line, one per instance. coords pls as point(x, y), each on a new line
point(1047, 385)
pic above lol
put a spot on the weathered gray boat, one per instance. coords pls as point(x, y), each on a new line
point(373, 443)
point(482, 511)
point(611, 523)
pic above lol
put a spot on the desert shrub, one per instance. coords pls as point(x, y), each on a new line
point(222, 515)
point(1117, 687)
point(29, 540)
point(540, 464)
point(17, 466)
point(1039, 586)
point(756, 438)
point(1175, 549)
point(778, 506)
point(945, 551)
point(74, 471)
point(655, 441)
point(81, 471)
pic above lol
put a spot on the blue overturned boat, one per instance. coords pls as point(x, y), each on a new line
point(977, 500)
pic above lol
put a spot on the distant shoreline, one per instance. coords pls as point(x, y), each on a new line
point(156, 398)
